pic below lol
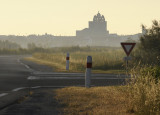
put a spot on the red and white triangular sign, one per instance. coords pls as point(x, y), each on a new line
point(128, 47)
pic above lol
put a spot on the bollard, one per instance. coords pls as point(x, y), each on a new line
point(88, 72)
point(67, 61)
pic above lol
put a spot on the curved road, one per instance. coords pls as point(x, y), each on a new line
point(16, 73)
point(13, 74)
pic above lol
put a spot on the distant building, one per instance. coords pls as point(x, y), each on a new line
point(97, 28)
point(95, 35)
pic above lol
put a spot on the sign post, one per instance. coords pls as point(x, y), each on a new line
point(127, 47)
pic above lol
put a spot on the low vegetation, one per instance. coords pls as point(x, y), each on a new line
point(103, 60)
point(8, 45)
point(144, 92)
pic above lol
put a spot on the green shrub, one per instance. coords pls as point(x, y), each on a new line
point(144, 91)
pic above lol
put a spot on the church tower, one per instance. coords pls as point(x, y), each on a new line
point(97, 28)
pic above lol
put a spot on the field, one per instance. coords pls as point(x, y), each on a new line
point(104, 59)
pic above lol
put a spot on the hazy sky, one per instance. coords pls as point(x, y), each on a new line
point(64, 17)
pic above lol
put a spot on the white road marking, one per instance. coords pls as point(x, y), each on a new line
point(18, 60)
point(35, 87)
point(45, 78)
point(3, 94)
point(78, 74)
point(17, 89)
point(27, 66)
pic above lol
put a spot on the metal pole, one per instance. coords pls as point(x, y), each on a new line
point(127, 65)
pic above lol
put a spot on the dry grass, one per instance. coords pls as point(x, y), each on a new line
point(140, 96)
point(93, 101)
point(144, 93)
point(57, 67)
point(105, 62)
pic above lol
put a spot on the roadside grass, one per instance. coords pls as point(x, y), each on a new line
point(144, 91)
point(140, 96)
point(109, 61)
point(93, 101)
point(59, 68)
point(55, 66)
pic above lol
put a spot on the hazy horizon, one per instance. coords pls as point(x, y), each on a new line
point(24, 17)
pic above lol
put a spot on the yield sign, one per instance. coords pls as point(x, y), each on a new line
point(128, 47)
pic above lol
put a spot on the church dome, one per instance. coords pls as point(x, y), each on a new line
point(98, 18)
point(95, 18)
point(98, 15)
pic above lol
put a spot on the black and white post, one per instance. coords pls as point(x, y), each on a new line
point(67, 61)
point(88, 72)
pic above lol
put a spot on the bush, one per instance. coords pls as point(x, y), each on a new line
point(144, 91)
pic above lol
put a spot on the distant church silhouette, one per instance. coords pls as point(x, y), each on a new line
point(97, 28)
point(95, 35)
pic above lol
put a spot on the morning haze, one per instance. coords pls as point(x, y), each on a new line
point(24, 17)
point(96, 34)
point(65, 57)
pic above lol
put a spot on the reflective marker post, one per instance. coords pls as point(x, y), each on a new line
point(67, 61)
point(88, 72)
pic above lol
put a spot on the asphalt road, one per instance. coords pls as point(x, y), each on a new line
point(16, 74)
point(13, 74)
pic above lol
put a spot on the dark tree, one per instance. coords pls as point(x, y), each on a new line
point(150, 41)
point(149, 47)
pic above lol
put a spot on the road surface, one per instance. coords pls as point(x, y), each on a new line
point(16, 74)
